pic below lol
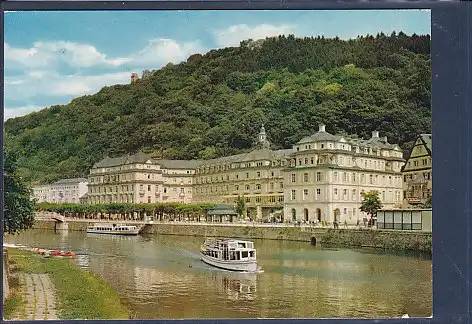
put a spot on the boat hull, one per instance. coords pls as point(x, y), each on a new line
point(242, 266)
point(136, 232)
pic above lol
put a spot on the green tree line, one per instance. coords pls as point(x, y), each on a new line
point(127, 211)
point(212, 105)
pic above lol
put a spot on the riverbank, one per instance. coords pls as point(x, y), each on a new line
point(351, 237)
point(50, 288)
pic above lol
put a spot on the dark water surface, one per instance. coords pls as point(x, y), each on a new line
point(162, 277)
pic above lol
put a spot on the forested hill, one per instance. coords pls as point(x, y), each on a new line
point(213, 104)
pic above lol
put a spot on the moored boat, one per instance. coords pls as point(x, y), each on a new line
point(230, 254)
point(115, 229)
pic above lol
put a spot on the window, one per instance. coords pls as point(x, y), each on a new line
point(165, 190)
point(149, 188)
point(292, 194)
point(182, 190)
point(344, 176)
point(149, 199)
point(305, 177)
point(305, 193)
point(236, 187)
point(247, 175)
point(354, 177)
point(336, 192)
point(258, 186)
point(306, 160)
point(371, 178)
point(354, 194)
point(248, 187)
point(272, 174)
point(281, 185)
point(318, 194)
point(335, 176)
point(312, 161)
point(258, 174)
point(345, 194)
point(318, 176)
point(293, 177)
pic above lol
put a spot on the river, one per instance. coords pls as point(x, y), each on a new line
point(161, 277)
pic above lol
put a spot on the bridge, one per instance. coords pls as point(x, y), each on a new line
point(50, 216)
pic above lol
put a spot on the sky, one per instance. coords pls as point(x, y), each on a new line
point(51, 57)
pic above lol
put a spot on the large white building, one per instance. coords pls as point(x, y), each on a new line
point(140, 179)
point(320, 178)
point(62, 191)
point(327, 173)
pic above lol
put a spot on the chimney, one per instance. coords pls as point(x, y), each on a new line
point(384, 139)
point(375, 134)
point(322, 128)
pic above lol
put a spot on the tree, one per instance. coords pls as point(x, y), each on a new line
point(428, 203)
point(18, 209)
point(240, 206)
point(370, 203)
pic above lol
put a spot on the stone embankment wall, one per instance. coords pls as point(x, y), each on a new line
point(387, 239)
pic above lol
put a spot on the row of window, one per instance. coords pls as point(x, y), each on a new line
point(348, 147)
point(247, 187)
point(227, 167)
point(345, 194)
point(237, 176)
point(416, 163)
point(341, 161)
point(347, 177)
point(417, 176)
point(126, 188)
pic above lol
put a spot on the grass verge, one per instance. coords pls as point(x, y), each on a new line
point(79, 294)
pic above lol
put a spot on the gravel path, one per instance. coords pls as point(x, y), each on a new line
point(38, 293)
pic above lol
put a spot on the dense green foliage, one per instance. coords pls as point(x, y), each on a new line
point(240, 206)
point(213, 105)
point(127, 210)
point(18, 208)
point(370, 202)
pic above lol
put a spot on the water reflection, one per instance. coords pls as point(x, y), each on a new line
point(237, 286)
point(162, 277)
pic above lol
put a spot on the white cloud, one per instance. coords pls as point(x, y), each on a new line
point(41, 79)
point(233, 35)
point(53, 84)
point(161, 51)
point(45, 53)
point(19, 111)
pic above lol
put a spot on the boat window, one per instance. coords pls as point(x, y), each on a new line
point(232, 256)
point(251, 254)
point(238, 255)
point(244, 254)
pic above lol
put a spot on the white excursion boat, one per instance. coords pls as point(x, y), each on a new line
point(229, 254)
point(116, 229)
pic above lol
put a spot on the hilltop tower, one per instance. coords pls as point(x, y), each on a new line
point(134, 77)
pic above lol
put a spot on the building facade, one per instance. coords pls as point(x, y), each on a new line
point(140, 179)
point(326, 175)
point(256, 177)
point(62, 191)
point(320, 178)
point(177, 176)
point(417, 172)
